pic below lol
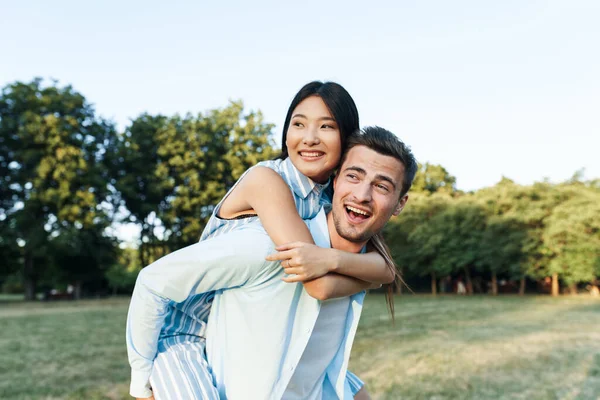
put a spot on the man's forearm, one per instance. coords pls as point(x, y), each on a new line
point(144, 321)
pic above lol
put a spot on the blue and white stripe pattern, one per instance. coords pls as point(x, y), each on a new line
point(183, 373)
point(186, 321)
point(308, 195)
point(355, 383)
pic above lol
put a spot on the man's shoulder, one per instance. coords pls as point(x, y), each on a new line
point(250, 238)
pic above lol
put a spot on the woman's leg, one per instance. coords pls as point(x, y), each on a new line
point(182, 372)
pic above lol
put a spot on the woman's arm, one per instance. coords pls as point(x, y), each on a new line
point(332, 286)
point(264, 191)
point(303, 258)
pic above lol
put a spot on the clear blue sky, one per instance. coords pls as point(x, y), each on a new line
point(484, 88)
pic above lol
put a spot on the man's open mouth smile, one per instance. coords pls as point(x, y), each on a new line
point(357, 215)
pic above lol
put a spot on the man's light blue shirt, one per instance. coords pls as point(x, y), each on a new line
point(259, 325)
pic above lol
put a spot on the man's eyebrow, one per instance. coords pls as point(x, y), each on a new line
point(378, 177)
point(386, 179)
point(319, 119)
point(357, 169)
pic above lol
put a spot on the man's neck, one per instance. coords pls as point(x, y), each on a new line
point(338, 242)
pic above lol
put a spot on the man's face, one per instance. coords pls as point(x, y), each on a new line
point(367, 194)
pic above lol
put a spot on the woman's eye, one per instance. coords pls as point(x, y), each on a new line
point(298, 124)
point(328, 127)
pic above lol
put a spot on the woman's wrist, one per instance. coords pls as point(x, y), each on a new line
point(337, 260)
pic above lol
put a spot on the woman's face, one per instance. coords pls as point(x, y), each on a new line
point(313, 139)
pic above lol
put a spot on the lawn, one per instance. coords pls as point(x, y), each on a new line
point(440, 348)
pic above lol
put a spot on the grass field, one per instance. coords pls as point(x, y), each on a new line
point(440, 348)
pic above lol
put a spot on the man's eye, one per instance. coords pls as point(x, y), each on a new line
point(383, 187)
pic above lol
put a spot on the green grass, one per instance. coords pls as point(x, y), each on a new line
point(11, 297)
point(440, 348)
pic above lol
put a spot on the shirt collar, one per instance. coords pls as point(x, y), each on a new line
point(301, 184)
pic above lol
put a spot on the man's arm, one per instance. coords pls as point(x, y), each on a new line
point(227, 261)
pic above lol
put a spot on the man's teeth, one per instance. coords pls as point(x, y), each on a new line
point(356, 210)
point(307, 154)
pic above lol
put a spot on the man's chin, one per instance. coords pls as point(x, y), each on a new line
point(356, 237)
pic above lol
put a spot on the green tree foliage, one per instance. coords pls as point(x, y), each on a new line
point(572, 235)
point(80, 257)
point(10, 254)
point(171, 172)
point(461, 225)
point(123, 273)
point(51, 155)
point(134, 161)
point(64, 172)
point(501, 248)
point(527, 207)
point(433, 178)
point(414, 239)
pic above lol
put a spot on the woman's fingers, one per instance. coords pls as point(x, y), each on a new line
point(281, 255)
point(294, 271)
point(294, 278)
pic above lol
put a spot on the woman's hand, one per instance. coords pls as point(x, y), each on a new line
point(305, 261)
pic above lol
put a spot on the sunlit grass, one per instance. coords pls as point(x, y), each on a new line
point(444, 348)
point(481, 348)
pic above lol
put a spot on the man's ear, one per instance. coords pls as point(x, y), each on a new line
point(401, 204)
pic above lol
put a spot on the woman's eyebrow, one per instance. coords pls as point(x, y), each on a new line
point(319, 119)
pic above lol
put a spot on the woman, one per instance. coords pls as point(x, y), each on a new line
point(318, 121)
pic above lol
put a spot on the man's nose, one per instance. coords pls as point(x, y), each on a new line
point(311, 136)
point(362, 192)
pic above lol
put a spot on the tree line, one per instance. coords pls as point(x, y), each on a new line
point(546, 233)
point(67, 176)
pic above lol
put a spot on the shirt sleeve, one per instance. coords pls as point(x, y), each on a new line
point(226, 261)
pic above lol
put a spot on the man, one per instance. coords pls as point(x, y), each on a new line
point(267, 339)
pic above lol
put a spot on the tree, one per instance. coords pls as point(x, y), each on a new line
point(134, 161)
point(573, 237)
point(80, 257)
point(173, 171)
point(123, 273)
point(461, 226)
point(501, 248)
point(414, 239)
point(433, 178)
point(51, 151)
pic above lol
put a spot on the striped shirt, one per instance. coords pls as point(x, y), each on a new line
point(186, 321)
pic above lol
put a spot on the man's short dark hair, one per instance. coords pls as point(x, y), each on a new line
point(386, 143)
